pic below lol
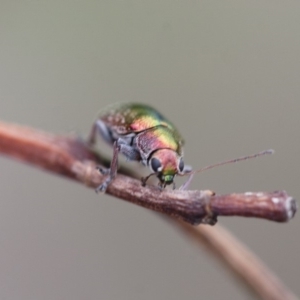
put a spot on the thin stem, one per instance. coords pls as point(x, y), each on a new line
point(246, 266)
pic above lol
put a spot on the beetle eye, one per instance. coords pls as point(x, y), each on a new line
point(181, 165)
point(155, 164)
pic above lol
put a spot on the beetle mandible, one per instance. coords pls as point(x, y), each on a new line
point(142, 134)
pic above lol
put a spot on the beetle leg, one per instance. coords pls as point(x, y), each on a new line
point(187, 183)
point(128, 151)
point(161, 186)
point(103, 171)
point(144, 179)
point(92, 136)
point(101, 128)
point(112, 172)
point(187, 169)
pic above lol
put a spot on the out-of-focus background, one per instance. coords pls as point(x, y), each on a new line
point(227, 73)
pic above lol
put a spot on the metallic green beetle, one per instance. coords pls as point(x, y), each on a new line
point(142, 134)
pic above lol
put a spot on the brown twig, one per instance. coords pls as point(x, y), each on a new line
point(70, 157)
point(244, 265)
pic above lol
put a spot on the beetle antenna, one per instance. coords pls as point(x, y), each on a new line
point(191, 174)
point(270, 151)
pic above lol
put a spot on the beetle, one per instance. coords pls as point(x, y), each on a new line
point(142, 134)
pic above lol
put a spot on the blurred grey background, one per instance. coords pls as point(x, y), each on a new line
point(227, 73)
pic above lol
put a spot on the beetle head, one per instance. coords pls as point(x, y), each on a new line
point(166, 163)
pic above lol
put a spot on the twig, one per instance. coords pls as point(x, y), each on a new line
point(71, 158)
point(243, 264)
